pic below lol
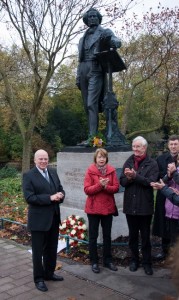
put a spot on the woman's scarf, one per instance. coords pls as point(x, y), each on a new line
point(102, 169)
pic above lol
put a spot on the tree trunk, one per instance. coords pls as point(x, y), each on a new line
point(26, 152)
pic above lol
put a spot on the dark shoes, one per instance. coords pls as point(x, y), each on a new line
point(160, 256)
point(41, 286)
point(111, 266)
point(95, 268)
point(55, 277)
point(148, 270)
point(133, 266)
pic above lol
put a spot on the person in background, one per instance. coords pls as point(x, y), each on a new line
point(160, 222)
point(100, 185)
point(43, 192)
point(138, 172)
point(173, 257)
point(169, 188)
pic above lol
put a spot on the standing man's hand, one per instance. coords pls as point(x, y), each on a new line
point(57, 197)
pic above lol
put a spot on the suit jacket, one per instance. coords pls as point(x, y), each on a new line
point(37, 193)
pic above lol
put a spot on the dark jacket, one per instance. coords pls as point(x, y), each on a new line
point(170, 194)
point(37, 193)
point(159, 222)
point(138, 194)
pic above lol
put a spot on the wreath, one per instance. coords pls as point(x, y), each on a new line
point(75, 227)
point(97, 140)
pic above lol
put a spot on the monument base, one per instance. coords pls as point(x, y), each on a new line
point(71, 167)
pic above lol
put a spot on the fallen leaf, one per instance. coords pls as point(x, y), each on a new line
point(58, 266)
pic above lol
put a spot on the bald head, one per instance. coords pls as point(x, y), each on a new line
point(41, 159)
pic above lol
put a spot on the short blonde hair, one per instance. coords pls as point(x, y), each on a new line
point(101, 151)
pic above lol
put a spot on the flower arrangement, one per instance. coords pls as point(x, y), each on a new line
point(97, 140)
point(75, 227)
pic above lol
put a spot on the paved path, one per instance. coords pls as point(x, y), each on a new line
point(80, 282)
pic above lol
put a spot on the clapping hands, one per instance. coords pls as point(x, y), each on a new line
point(130, 173)
point(171, 169)
point(104, 181)
point(158, 185)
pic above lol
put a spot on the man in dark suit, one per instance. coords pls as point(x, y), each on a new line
point(160, 221)
point(43, 193)
point(90, 75)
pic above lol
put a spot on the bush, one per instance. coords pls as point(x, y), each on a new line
point(8, 172)
point(12, 203)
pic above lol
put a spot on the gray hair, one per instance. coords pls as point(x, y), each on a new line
point(142, 140)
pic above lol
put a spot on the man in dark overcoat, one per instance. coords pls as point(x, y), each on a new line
point(43, 192)
point(138, 172)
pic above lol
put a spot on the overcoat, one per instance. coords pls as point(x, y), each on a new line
point(138, 194)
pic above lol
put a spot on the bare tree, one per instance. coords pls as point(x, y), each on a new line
point(46, 30)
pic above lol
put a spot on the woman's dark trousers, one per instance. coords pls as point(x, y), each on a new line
point(106, 224)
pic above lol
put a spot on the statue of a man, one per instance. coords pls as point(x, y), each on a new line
point(90, 75)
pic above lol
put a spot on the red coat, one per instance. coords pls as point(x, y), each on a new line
point(100, 200)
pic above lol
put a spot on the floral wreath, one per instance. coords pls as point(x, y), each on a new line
point(75, 227)
point(97, 140)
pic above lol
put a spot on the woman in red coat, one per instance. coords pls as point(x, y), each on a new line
point(100, 184)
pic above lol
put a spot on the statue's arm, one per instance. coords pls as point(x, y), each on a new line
point(115, 42)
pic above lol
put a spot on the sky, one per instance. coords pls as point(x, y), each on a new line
point(145, 5)
point(140, 8)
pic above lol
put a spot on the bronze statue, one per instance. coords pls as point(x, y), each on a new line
point(97, 57)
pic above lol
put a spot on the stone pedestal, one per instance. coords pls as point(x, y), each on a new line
point(71, 168)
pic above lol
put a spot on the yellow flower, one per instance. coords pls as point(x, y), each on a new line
point(97, 142)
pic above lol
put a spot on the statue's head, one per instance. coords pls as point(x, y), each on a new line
point(92, 17)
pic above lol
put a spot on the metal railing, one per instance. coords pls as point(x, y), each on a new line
point(67, 237)
point(64, 236)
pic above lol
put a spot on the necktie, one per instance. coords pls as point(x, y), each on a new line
point(46, 176)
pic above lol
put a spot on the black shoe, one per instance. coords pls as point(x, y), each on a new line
point(41, 286)
point(55, 277)
point(133, 266)
point(148, 270)
point(111, 266)
point(95, 268)
point(160, 256)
